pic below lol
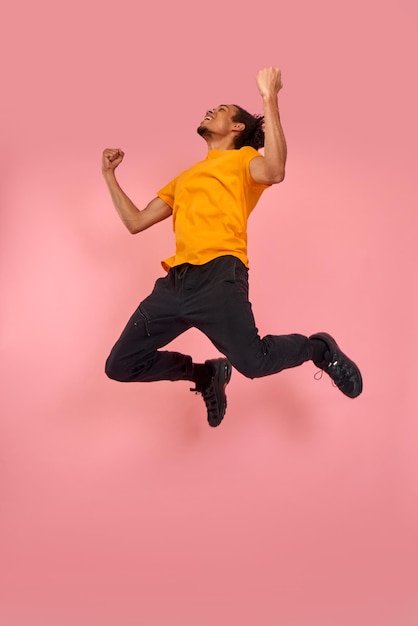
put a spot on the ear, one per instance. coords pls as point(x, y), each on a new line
point(238, 127)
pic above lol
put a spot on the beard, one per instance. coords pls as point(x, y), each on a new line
point(203, 131)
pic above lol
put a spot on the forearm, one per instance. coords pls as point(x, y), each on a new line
point(126, 209)
point(275, 149)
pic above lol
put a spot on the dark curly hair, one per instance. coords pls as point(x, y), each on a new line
point(253, 133)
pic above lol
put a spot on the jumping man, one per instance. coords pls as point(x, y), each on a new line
point(206, 284)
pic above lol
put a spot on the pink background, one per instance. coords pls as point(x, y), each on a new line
point(119, 505)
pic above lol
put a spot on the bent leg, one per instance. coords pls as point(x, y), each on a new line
point(136, 356)
point(229, 323)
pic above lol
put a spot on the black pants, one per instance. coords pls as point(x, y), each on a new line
point(213, 298)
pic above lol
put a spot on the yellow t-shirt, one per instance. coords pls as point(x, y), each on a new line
point(211, 203)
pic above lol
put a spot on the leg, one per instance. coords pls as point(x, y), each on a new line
point(156, 322)
point(229, 323)
point(223, 312)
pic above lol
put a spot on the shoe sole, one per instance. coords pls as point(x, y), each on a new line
point(226, 372)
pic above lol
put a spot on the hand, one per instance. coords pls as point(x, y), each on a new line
point(269, 81)
point(112, 157)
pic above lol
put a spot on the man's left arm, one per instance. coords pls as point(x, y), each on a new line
point(270, 168)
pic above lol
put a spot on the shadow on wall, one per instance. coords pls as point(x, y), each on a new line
point(276, 402)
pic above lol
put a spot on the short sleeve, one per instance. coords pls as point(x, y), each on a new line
point(248, 154)
point(167, 193)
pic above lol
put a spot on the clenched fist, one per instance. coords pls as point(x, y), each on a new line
point(112, 157)
point(269, 81)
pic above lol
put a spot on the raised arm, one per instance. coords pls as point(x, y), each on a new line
point(270, 169)
point(134, 219)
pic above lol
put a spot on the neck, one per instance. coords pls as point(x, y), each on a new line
point(220, 143)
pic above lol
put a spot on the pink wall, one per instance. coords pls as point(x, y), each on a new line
point(118, 504)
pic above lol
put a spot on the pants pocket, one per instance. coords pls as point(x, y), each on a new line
point(141, 319)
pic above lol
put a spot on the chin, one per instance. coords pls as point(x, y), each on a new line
point(203, 131)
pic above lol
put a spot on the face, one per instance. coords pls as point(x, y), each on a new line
point(218, 120)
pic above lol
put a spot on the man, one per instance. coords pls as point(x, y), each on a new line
point(206, 286)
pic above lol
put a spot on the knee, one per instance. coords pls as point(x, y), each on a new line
point(248, 368)
point(124, 370)
point(115, 370)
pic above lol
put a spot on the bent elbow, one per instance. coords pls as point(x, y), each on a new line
point(133, 229)
point(278, 177)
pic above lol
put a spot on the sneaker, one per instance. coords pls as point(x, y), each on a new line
point(214, 392)
point(344, 373)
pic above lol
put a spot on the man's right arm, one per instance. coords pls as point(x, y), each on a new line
point(134, 219)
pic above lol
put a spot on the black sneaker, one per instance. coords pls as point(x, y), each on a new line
point(345, 374)
point(214, 392)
